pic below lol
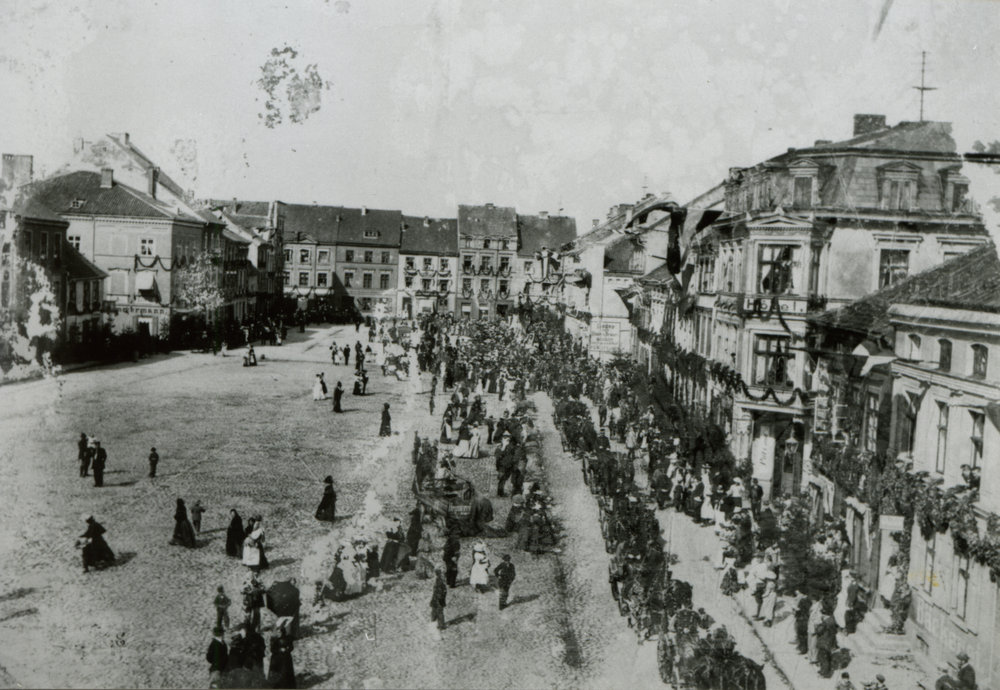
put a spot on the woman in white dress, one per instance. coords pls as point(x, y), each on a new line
point(318, 389)
point(338, 355)
point(479, 577)
point(476, 436)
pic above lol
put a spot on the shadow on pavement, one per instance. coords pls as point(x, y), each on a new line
point(467, 618)
point(523, 600)
point(17, 594)
point(308, 680)
point(280, 562)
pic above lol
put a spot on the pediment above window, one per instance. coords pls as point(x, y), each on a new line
point(900, 170)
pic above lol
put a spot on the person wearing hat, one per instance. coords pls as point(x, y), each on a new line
point(100, 462)
point(94, 549)
point(966, 674)
point(450, 553)
point(439, 599)
point(196, 512)
point(505, 573)
point(154, 460)
point(217, 656)
point(603, 442)
point(505, 460)
point(945, 682)
point(479, 576)
point(83, 454)
point(327, 510)
point(183, 531)
point(845, 682)
point(769, 598)
point(879, 683)
point(386, 428)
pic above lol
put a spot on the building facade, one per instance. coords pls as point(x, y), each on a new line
point(368, 258)
point(428, 267)
point(487, 246)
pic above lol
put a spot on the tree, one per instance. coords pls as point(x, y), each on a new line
point(29, 320)
point(198, 284)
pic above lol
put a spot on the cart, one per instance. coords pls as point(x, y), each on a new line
point(454, 500)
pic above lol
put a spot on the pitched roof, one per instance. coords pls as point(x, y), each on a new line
point(356, 226)
point(487, 220)
point(440, 237)
point(79, 267)
point(319, 222)
point(58, 194)
point(30, 207)
point(237, 207)
point(550, 232)
point(970, 281)
point(618, 254)
point(660, 274)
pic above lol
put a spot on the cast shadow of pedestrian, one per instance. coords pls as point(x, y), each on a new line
point(841, 658)
point(213, 531)
point(309, 680)
point(523, 599)
point(465, 618)
point(123, 558)
point(131, 483)
point(17, 594)
point(280, 562)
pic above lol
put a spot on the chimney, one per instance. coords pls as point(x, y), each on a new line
point(543, 214)
point(235, 206)
point(364, 210)
point(427, 222)
point(823, 142)
point(125, 138)
point(107, 178)
point(596, 222)
point(17, 170)
point(866, 124)
point(489, 205)
point(153, 176)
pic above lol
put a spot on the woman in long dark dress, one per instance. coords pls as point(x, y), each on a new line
point(357, 386)
point(327, 511)
point(95, 549)
point(386, 428)
point(235, 535)
point(183, 531)
point(281, 672)
point(338, 393)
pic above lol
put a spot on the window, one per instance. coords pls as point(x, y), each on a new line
point(324, 256)
point(428, 264)
point(504, 263)
point(287, 277)
point(366, 281)
point(383, 281)
point(366, 304)
point(527, 268)
point(467, 262)
point(929, 577)
point(77, 203)
point(942, 438)
point(871, 422)
point(467, 284)
point(86, 295)
point(75, 241)
point(486, 243)
point(442, 286)
point(349, 279)
point(505, 244)
point(803, 192)
point(485, 262)
point(908, 425)
point(371, 234)
point(980, 360)
point(444, 266)
point(409, 281)
point(369, 257)
point(147, 247)
point(43, 246)
point(774, 271)
point(978, 422)
point(504, 286)
point(484, 286)
point(56, 246)
point(962, 588)
point(409, 262)
point(303, 278)
point(387, 257)
point(915, 343)
point(814, 257)
point(959, 197)
point(28, 249)
point(900, 195)
point(349, 255)
point(304, 256)
point(773, 360)
point(893, 266)
point(944, 355)
point(426, 284)
point(321, 279)
point(527, 288)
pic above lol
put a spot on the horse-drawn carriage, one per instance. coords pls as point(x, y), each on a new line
point(453, 500)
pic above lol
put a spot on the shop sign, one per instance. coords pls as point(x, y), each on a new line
point(890, 523)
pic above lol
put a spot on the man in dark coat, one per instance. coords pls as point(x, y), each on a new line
point(603, 442)
point(100, 462)
point(826, 633)
point(439, 600)
point(966, 674)
point(505, 461)
point(505, 578)
point(327, 510)
point(756, 497)
point(83, 454)
point(217, 656)
point(154, 460)
point(452, 549)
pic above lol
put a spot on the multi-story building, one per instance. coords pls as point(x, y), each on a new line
point(487, 239)
point(537, 269)
point(600, 269)
point(309, 253)
point(262, 223)
point(132, 235)
point(428, 266)
point(368, 258)
point(806, 230)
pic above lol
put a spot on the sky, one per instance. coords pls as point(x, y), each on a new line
point(422, 105)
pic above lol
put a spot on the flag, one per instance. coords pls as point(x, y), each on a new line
point(677, 218)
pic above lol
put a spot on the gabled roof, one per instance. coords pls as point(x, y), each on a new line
point(31, 208)
point(618, 254)
point(487, 220)
point(439, 237)
point(58, 194)
point(237, 207)
point(660, 275)
point(355, 225)
point(970, 281)
point(233, 237)
point(550, 232)
point(319, 222)
point(79, 267)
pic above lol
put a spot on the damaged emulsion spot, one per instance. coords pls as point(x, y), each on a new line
point(291, 91)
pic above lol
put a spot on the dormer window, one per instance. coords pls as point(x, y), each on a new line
point(955, 191)
point(805, 183)
point(898, 186)
point(77, 203)
point(371, 234)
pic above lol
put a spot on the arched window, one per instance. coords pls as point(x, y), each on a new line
point(944, 355)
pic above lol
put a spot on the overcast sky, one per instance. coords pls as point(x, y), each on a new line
point(432, 103)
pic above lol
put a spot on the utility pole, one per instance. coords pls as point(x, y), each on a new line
point(922, 88)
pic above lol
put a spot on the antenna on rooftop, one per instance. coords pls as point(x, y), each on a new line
point(922, 88)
